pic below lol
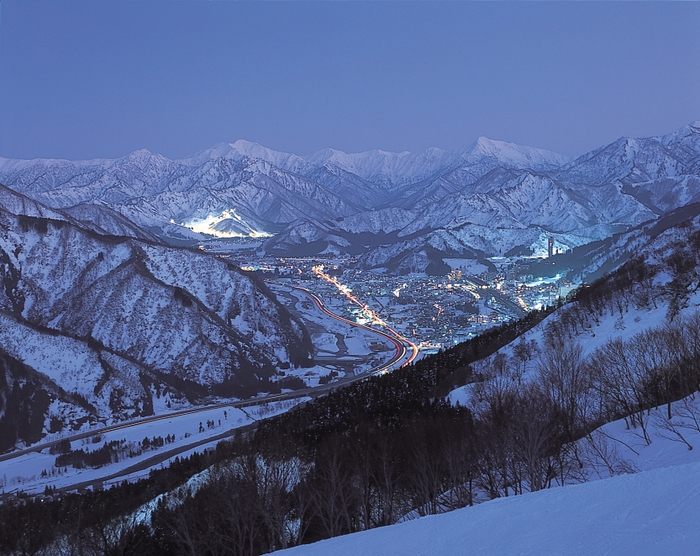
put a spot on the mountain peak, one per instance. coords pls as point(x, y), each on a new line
point(143, 159)
point(485, 142)
point(335, 156)
point(512, 154)
point(226, 150)
point(693, 128)
point(255, 151)
point(384, 166)
point(250, 148)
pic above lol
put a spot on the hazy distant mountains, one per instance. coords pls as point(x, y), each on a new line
point(399, 211)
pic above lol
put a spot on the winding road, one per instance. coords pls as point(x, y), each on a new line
point(406, 352)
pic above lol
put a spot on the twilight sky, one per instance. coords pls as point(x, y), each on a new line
point(88, 79)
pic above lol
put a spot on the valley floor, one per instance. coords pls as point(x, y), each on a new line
point(33, 472)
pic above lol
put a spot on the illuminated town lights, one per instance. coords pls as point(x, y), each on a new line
point(371, 315)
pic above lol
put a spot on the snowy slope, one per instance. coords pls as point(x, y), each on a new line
point(648, 504)
point(104, 220)
point(174, 310)
point(650, 513)
point(109, 324)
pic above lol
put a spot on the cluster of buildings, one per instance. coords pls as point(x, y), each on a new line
point(433, 312)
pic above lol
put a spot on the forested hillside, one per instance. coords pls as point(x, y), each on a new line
point(395, 446)
point(101, 328)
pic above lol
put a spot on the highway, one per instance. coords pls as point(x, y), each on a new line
point(402, 345)
point(406, 352)
point(318, 271)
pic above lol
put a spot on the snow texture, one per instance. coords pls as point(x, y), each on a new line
point(650, 513)
point(335, 202)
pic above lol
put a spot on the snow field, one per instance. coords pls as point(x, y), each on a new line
point(24, 473)
point(650, 513)
point(652, 509)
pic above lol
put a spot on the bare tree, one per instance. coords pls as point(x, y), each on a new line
point(565, 379)
point(619, 384)
point(426, 474)
point(332, 496)
point(536, 436)
point(601, 450)
point(386, 476)
point(277, 480)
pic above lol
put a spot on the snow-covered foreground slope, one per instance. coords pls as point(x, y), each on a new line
point(650, 513)
point(650, 505)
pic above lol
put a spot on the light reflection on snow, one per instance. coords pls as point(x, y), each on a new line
point(208, 225)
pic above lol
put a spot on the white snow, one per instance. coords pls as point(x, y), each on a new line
point(654, 511)
point(357, 342)
point(650, 513)
point(24, 472)
point(461, 396)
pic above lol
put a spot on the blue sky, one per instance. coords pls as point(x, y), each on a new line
point(88, 79)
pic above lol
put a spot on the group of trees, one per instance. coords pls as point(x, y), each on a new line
point(391, 447)
point(109, 452)
point(86, 458)
point(388, 449)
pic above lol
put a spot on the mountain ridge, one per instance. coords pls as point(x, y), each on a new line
point(116, 321)
point(246, 189)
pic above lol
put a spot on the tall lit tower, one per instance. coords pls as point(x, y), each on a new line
point(550, 246)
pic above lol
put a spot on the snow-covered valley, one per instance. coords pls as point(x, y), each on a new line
point(103, 321)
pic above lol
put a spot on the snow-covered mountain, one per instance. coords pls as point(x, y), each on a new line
point(491, 197)
point(510, 200)
point(266, 189)
point(105, 323)
point(396, 170)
